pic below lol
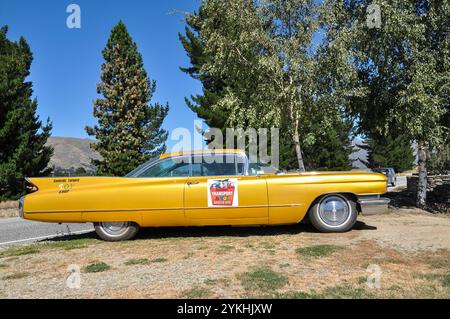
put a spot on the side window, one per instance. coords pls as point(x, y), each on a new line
point(215, 165)
point(169, 167)
point(261, 169)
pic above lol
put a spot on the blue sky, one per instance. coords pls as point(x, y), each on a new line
point(66, 66)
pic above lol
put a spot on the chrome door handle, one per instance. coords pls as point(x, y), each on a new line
point(192, 182)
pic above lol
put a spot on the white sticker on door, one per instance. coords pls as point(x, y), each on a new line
point(223, 192)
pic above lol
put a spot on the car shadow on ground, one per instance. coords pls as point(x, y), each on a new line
point(215, 231)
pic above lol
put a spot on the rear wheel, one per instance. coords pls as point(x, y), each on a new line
point(333, 213)
point(116, 231)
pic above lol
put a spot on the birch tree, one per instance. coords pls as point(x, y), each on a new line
point(402, 67)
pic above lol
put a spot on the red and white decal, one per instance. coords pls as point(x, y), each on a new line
point(223, 192)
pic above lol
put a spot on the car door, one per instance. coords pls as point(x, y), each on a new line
point(161, 191)
point(218, 192)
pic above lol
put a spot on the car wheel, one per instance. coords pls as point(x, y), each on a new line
point(116, 231)
point(333, 213)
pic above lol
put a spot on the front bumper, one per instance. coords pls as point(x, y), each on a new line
point(373, 205)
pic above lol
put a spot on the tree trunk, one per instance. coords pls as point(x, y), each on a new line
point(421, 200)
point(298, 149)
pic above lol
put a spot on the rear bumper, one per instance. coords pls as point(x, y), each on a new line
point(373, 205)
point(21, 206)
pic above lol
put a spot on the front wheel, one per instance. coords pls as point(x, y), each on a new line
point(116, 231)
point(333, 213)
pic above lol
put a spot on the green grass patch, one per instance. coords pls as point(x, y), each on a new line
point(69, 244)
point(345, 291)
point(291, 295)
point(262, 279)
point(446, 280)
point(36, 248)
point(267, 245)
point(438, 263)
point(159, 260)
point(97, 267)
point(211, 282)
point(137, 261)
point(443, 279)
point(317, 251)
point(17, 275)
point(19, 251)
point(362, 280)
point(197, 292)
point(337, 292)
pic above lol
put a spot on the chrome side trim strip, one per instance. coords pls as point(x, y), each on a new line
point(159, 209)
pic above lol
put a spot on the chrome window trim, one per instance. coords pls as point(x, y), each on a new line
point(151, 163)
point(157, 161)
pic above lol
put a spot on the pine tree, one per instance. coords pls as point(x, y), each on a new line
point(202, 104)
point(389, 151)
point(328, 151)
point(22, 135)
point(129, 127)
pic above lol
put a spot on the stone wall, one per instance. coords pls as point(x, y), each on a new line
point(437, 185)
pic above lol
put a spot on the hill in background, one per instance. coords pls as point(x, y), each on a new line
point(70, 152)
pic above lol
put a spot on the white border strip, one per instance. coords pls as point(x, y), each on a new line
point(47, 237)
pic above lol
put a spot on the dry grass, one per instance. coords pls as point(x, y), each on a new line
point(222, 262)
point(9, 209)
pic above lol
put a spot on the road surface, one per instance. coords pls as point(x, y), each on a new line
point(17, 230)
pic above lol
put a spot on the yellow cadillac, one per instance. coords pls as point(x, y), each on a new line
point(201, 188)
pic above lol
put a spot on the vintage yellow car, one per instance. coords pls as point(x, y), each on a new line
point(202, 188)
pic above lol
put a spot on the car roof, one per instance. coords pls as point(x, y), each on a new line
point(207, 151)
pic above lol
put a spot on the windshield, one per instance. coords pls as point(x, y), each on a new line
point(137, 169)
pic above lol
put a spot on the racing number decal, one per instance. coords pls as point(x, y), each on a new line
point(223, 192)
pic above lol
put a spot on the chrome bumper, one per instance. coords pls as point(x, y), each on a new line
point(21, 206)
point(373, 205)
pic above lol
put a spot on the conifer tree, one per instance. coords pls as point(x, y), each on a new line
point(129, 127)
point(22, 135)
point(389, 151)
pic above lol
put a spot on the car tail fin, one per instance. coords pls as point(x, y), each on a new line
point(39, 183)
point(31, 187)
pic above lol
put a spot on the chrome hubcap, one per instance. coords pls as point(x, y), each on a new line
point(114, 228)
point(334, 211)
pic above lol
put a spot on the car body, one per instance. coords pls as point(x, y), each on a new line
point(202, 188)
point(389, 172)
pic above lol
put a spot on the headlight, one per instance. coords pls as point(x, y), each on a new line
point(21, 200)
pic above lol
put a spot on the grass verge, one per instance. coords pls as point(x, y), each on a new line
point(96, 267)
point(262, 279)
point(317, 250)
point(197, 292)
